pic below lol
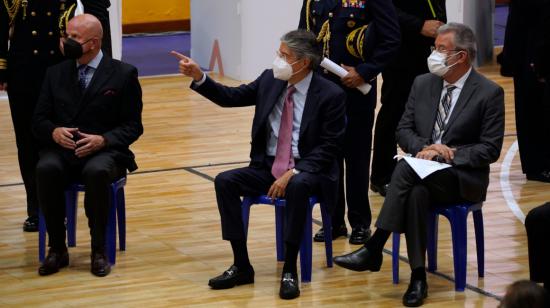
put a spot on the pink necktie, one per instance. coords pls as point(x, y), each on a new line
point(283, 158)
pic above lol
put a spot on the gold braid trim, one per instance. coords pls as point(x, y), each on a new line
point(354, 42)
point(64, 20)
point(324, 36)
point(12, 9)
point(308, 14)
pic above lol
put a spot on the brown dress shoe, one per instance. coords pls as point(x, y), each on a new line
point(100, 264)
point(56, 259)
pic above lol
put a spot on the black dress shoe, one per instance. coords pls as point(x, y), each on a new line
point(543, 176)
point(100, 264)
point(336, 233)
point(30, 224)
point(56, 259)
point(360, 260)
point(382, 189)
point(416, 293)
point(289, 286)
point(232, 277)
point(359, 235)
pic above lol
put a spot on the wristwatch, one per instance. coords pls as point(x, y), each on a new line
point(295, 171)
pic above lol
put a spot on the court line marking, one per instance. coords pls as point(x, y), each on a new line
point(505, 182)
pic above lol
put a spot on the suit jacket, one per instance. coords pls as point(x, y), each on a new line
point(110, 106)
point(321, 130)
point(475, 127)
point(381, 39)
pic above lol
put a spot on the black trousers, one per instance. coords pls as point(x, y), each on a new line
point(22, 104)
point(395, 93)
point(407, 202)
point(55, 170)
point(357, 152)
point(537, 224)
point(533, 128)
point(233, 184)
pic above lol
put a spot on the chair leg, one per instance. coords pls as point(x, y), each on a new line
point(71, 212)
point(432, 234)
point(110, 242)
point(458, 229)
point(121, 218)
point(279, 231)
point(327, 225)
point(395, 257)
point(41, 237)
point(480, 243)
point(306, 249)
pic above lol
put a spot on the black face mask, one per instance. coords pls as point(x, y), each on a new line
point(73, 49)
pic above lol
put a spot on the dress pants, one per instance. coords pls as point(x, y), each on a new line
point(407, 202)
point(395, 93)
point(22, 99)
point(533, 128)
point(537, 224)
point(248, 181)
point(357, 152)
point(55, 170)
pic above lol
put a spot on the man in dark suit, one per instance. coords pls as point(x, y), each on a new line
point(525, 58)
point(88, 114)
point(296, 136)
point(36, 27)
point(364, 37)
point(455, 115)
point(537, 224)
point(419, 21)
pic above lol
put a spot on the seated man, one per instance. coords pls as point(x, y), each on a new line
point(453, 114)
point(88, 114)
point(296, 136)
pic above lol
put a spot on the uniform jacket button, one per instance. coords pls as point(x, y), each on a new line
point(33, 13)
point(330, 14)
point(35, 52)
point(34, 33)
point(50, 33)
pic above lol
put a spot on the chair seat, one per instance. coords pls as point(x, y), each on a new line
point(457, 215)
point(117, 210)
point(306, 243)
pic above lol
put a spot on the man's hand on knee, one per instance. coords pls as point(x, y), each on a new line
point(278, 188)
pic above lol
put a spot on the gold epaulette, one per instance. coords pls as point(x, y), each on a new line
point(3, 64)
point(13, 8)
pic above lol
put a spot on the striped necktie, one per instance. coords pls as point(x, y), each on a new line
point(82, 76)
point(443, 113)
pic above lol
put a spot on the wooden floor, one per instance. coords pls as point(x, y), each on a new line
point(173, 233)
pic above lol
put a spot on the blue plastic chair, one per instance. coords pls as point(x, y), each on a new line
point(118, 208)
point(306, 244)
point(457, 216)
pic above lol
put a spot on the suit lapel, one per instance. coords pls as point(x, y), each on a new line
point(435, 96)
point(310, 104)
point(273, 98)
point(469, 87)
point(101, 76)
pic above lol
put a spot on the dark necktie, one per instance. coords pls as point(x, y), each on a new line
point(283, 157)
point(443, 113)
point(82, 72)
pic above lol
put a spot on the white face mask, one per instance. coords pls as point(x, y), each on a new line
point(437, 63)
point(282, 70)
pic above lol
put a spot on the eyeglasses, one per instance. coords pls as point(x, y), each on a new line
point(442, 49)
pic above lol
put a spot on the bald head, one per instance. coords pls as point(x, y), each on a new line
point(88, 26)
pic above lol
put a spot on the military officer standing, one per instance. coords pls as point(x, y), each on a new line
point(363, 36)
point(33, 29)
point(419, 21)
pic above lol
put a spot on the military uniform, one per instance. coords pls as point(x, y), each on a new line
point(364, 35)
point(398, 78)
point(33, 29)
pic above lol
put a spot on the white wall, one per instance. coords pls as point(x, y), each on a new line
point(115, 18)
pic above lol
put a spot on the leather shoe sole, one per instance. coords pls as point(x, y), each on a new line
point(360, 260)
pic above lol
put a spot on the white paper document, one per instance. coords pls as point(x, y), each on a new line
point(423, 167)
point(341, 72)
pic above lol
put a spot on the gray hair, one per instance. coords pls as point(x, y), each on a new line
point(464, 38)
point(304, 44)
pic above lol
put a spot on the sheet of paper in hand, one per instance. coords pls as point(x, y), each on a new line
point(423, 167)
